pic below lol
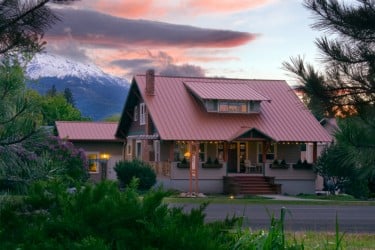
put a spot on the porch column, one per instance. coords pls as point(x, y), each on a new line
point(266, 146)
point(194, 165)
point(315, 152)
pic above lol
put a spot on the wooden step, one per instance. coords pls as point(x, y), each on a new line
point(250, 185)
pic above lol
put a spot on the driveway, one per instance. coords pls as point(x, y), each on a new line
point(352, 219)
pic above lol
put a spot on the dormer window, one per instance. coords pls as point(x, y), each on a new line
point(233, 106)
point(223, 97)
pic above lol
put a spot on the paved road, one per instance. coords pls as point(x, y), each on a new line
point(354, 219)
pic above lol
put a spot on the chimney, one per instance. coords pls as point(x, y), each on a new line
point(150, 82)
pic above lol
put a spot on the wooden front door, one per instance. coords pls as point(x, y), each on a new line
point(232, 158)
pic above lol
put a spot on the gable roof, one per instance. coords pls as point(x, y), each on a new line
point(87, 131)
point(177, 115)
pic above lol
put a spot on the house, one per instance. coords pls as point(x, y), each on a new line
point(98, 141)
point(248, 128)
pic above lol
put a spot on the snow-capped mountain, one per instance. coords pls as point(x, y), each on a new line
point(96, 94)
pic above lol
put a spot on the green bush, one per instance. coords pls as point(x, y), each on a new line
point(102, 217)
point(127, 170)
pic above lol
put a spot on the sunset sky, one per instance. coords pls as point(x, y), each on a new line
point(236, 39)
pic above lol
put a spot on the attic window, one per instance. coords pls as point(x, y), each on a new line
point(233, 107)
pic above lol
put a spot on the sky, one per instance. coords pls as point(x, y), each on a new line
point(234, 39)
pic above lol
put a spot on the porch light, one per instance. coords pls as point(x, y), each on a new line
point(187, 154)
point(104, 158)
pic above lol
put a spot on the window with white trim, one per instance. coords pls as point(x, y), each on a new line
point(138, 150)
point(135, 115)
point(129, 149)
point(157, 150)
point(202, 152)
point(93, 158)
point(142, 114)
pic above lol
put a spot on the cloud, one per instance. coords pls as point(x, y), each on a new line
point(128, 8)
point(157, 9)
point(227, 6)
point(182, 70)
point(69, 48)
point(162, 62)
point(100, 30)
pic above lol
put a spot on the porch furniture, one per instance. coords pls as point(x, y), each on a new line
point(249, 167)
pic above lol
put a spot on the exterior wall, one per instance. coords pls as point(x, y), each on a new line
point(203, 173)
point(294, 187)
point(114, 149)
point(204, 186)
point(209, 180)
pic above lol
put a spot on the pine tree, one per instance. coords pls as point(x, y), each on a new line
point(346, 88)
point(52, 91)
point(349, 58)
point(22, 24)
point(69, 96)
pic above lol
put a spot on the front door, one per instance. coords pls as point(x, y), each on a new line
point(232, 158)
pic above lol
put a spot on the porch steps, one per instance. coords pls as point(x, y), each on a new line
point(250, 185)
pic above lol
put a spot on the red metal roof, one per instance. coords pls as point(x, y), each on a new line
point(87, 131)
point(177, 115)
point(225, 91)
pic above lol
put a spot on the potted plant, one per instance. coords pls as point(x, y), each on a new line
point(184, 163)
point(212, 164)
point(279, 164)
point(302, 165)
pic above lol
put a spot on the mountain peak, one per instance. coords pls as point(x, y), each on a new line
point(48, 65)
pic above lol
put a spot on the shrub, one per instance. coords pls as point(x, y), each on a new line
point(127, 170)
point(101, 217)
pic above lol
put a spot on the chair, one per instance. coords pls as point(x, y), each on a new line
point(249, 168)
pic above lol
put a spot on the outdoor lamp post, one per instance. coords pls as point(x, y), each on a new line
point(103, 159)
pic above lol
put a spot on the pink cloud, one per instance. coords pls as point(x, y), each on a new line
point(146, 9)
point(214, 6)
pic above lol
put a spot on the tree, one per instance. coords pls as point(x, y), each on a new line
point(56, 108)
point(69, 96)
point(113, 118)
point(22, 24)
point(346, 88)
point(52, 91)
point(349, 58)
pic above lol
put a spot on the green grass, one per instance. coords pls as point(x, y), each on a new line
point(340, 197)
point(324, 240)
point(311, 200)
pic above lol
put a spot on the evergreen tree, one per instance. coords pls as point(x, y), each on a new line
point(69, 96)
point(345, 88)
point(22, 24)
point(349, 58)
point(52, 91)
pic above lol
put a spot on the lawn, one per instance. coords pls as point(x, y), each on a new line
point(322, 240)
point(254, 199)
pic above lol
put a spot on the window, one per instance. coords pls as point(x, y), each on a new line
point(233, 107)
point(93, 162)
point(157, 150)
point(142, 114)
point(211, 105)
point(138, 150)
point(202, 152)
point(135, 115)
point(179, 151)
point(270, 154)
point(129, 148)
point(254, 106)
